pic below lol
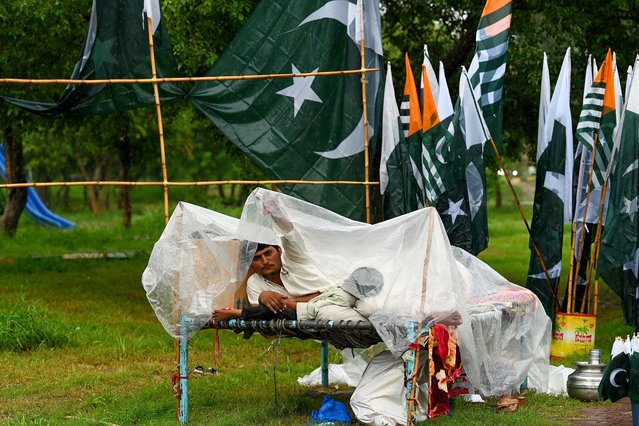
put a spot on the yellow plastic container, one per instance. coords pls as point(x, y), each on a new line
point(572, 334)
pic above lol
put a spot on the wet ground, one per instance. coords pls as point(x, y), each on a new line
point(619, 414)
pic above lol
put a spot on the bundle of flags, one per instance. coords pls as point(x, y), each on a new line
point(621, 377)
point(436, 156)
point(605, 194)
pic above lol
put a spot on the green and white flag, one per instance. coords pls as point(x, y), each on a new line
point(619, 254)
point(488, 66)
point(116, 46)
point(394, 169)
point(463, 206)
point(614, 383)
point(553, 191)
point(309, 128)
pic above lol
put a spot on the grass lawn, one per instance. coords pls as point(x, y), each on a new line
point(117, 364)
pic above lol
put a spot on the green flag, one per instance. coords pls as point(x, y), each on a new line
point(462, 206)
point(475, 134)
point(488, 66)
point(553, 191)
point(614, 383)
point(116, 46)
point(620, 238)
point(312, 127)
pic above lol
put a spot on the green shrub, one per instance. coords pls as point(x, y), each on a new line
point(26, 327)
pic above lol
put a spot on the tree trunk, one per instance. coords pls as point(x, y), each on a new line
point(498, 195)
point(16, 197)
point(125, 198)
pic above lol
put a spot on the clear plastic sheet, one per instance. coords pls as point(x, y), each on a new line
point(196, 266)
point(203, 256)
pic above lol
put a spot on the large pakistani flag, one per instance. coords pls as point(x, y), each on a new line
point(312, 127)
point(488, 66)
point(411, 119)
point(553, 192)
point(394, 169)
point(619, 255)
point(116, 46)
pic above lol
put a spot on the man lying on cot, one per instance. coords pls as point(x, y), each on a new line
point(270, 299)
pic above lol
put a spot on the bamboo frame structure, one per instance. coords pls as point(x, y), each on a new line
point(362, 46)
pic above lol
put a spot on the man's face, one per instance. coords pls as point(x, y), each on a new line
point(267, 262)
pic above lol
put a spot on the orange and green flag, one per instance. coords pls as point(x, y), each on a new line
point(488, 66)
point(433, 168)
point(598, 119)
point(411, 121)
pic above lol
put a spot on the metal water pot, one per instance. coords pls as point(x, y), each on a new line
point(583, 382)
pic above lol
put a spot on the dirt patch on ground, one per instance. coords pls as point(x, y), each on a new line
point(620, 414)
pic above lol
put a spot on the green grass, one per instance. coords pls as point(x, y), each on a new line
point(118, 364)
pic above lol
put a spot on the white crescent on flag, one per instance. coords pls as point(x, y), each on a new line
point(347, 13)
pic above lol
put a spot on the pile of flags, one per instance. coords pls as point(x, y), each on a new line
point(621, 377)
point(435, 156)
point(602, 186)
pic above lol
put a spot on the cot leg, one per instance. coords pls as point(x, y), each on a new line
point(324, 364)
point(184, 380)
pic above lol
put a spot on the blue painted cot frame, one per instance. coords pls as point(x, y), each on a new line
point(367, 336)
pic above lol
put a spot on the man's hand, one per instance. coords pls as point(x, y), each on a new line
point(275, 302)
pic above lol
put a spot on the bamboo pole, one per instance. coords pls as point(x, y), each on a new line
point(572, 301)
point(197, 183)
point(595, 259)
point(573, 235)
point(523, 216)
point(181, 79)
point(365, 110)
point(158, 109)
point(411, 399)
point(165, 188)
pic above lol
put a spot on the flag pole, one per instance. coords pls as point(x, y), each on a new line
point(417, 346)
point(573, 300)
point(595, 258)
point(604, 191)
point(573, 235)
point(365, 112)
point(523, 216)
point(158, 109)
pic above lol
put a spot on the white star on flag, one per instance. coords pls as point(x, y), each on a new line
point(454, 209)
point(300, 91)
point(633, 266)
point(630, 208)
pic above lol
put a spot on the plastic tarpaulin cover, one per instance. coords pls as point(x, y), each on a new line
point(202, 257)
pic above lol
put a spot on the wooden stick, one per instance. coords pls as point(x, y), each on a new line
point(595, 259)
point(158, 108)
point(165, 188)
point(198, 183)
point(422, 313)
point(573, 300)
point(365, 110)
point(523, 216)
point(181, 79)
